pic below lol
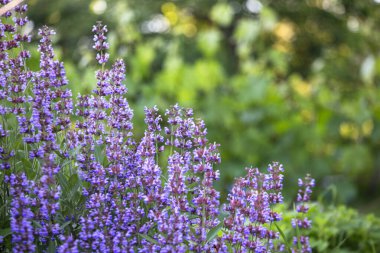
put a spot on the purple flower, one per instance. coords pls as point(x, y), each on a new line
point(250, 209)
point(121, 115)
point(301, 223)
point(305, 190)
point(21, 213)
point(301, 243)
point(304, 243)
point(51, 109)
point(51, 104)
point(101, 44)
point(133, 201)
point(114, 205)
point(69, 245)
point(174, 230)
point(13, 74)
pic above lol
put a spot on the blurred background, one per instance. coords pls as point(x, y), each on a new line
point(294, 81)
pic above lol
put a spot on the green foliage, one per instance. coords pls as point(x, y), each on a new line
point(271, 86)
point(335, 228)
point(294, 81)
point(342, 229)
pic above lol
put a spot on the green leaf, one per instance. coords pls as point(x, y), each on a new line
point(65, 224)
point(193, 186)
point(148, 238)
point(62, 181)
point(5, 232)
point(230, 249)
point(36, 224)
point(192, 230)
point(74, 183)
point(52, 247)
point(193, 216)
point(3, 207)
point(213, 232)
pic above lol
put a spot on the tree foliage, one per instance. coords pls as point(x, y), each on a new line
point(295, 81)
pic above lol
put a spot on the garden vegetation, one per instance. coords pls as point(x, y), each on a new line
point(74, 178)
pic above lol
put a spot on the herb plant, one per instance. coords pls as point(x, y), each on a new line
point(75, 179)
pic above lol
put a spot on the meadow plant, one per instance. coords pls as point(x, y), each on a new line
point(155, 194)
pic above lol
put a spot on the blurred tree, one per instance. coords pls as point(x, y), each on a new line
point(293, 81)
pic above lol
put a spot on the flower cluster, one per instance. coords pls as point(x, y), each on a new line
point(51, 110)
point(301, 243)
point(250, 208)
point(21, 213)
point(105, 124)
point(154, 194)
point(14, 77)
point(101, 44)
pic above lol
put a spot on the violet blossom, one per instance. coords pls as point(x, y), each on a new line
point(300, 242)
point(21, 190)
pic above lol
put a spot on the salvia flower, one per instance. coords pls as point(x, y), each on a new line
point(115, 211)
point(51, 104)
point(69, 246)
point(101, 44)
point(51, 108)
point(205, 197)
point(14, 75)
point(132, 200)
point(301, 243)
point(250, 210)
point(21, 190)
point(173, 224)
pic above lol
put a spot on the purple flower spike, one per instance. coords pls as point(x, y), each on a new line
point(21, 213)
point(250, 210)
point(100, 40)
point(155, 194)
point(301, 244)
point(14, 75)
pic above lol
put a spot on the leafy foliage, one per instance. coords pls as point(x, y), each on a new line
point(342, 229)
point(295, 81)
point(85, 183)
